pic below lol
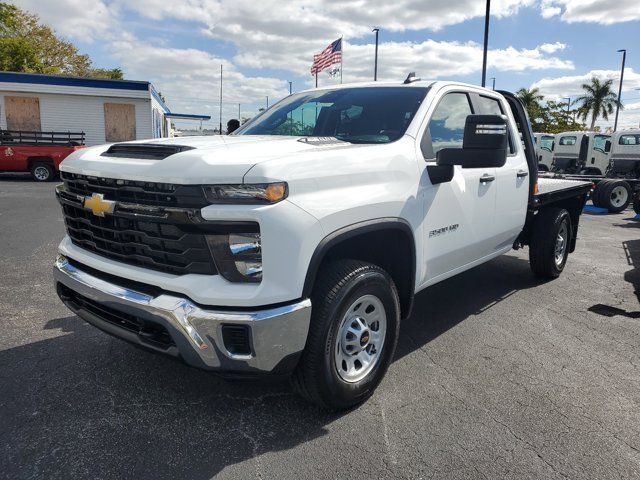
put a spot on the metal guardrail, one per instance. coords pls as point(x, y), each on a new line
point(21, 137)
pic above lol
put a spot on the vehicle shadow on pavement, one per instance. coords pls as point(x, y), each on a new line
point(444, 305)
point(632, 252)
point(83, 405)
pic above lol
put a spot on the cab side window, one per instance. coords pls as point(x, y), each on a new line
point(446, 127)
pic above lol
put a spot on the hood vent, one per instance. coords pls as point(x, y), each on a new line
point(144, 151)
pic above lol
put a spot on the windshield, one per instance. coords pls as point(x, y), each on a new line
point(546, 142)
point(356, 115)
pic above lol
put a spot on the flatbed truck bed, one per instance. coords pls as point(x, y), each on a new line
point(555, 189)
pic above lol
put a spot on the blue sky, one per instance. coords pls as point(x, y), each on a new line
point(554, 45)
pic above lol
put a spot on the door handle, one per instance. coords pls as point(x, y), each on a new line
point(487, 178)
point(521, 174)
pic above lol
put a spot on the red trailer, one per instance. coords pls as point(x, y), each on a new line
point(37, 152)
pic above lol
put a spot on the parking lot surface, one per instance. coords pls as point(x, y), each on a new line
point(497, 375)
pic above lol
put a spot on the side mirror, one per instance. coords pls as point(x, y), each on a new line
point(484, 144)
point(607, 146)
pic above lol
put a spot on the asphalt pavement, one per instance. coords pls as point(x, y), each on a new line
point(497, 375)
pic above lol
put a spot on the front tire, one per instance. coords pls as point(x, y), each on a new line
point(549, 246)
point(353, 334)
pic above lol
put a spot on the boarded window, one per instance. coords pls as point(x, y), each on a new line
point(119, 122)
point(23, 113)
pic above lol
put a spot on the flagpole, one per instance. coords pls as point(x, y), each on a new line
point(341, 57)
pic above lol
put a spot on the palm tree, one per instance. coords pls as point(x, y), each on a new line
point(598, 100)
point(531, 98)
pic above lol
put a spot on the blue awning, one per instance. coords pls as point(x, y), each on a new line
point(187, 116)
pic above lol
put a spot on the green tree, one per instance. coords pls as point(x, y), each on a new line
point(599, 100)
point(531, 99)
point(26, 45)
point(555, 117)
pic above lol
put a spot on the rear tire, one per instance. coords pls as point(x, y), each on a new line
point(549, 246)
point(616, 196)
point(347, 299)
point(42, 172)
point(596, 194)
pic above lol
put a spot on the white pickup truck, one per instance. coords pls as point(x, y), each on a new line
point(297, 244)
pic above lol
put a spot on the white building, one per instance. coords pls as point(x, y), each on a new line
point(105, 110)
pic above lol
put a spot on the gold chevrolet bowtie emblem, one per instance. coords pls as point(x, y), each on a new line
point(98, 205)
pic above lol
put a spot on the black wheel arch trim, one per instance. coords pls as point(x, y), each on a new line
point(353, 230)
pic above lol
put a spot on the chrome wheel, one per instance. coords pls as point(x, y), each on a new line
point(41, 173)
point(619, 196)
point(561, 243)
point(360, 338)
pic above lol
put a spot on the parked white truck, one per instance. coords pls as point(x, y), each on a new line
point(297, 244)
point(545, 144)
point(580, 153)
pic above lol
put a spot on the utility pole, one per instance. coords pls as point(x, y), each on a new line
point(220, 99)
point(267, 101)
point(486, 43)
point(493, 87)
point(375, 62)
point(624, 58)
point(290, 88)
point(238, 112)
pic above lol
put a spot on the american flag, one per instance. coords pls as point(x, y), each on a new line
point(329, 56)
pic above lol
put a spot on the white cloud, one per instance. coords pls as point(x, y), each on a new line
point(552, 47)
point(605, 12)
point(190, 78)
point(285, 35)
point(548, 12)
point(84, 20)
point(433, 59)
point(571, 86)
point(564, 86)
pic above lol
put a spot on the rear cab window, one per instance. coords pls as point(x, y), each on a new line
point(629, 140)
point(568, 140)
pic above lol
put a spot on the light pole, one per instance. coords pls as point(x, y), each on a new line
point(238, 112)
point(486, 43)
point(290, 87)
point(220, 99)
point(375, 62)
point(568, 99)
point(624, 58)
point(493, 85)
point(267, 101)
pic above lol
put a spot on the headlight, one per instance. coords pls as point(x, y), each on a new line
point(238, 256)
point(253, 193)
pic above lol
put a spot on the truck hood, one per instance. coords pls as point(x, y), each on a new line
point(212, 159)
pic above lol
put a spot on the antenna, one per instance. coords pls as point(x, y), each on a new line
point(411, 78)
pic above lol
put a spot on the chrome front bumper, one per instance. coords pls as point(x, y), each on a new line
point(276, 334)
